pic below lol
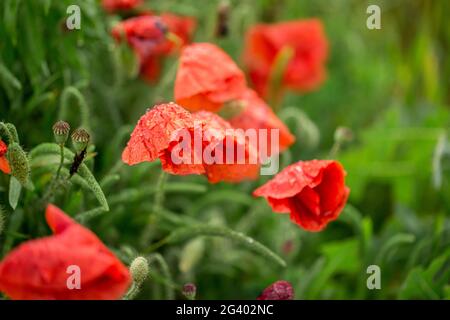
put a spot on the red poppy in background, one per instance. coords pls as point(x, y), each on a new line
point(4, 164)
point(216, 131)
point(38, 269)
point(119, 5)
point(313, 192)
point(258, 115)
point(147, 35)
point(280, 290)
point(305, 70)
point(207, 78)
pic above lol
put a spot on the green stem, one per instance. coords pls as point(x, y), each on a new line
point(133, 292)
point(159, 194)
point(61, 161)
point(170, 294)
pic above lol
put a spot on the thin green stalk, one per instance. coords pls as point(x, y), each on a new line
point(159, 194)
point(61, 161)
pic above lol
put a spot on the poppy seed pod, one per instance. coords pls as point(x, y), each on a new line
point(18, 162)
point(343, 134)
point(80, 139)
point(139, 270)
point(189, 291)
point(61, 131)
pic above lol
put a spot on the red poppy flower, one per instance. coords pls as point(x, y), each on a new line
point(118, 5)
point(191, 144)
point(155, 132)
point(146, 34)
point(280, 290)
point(313, 192)
point(242, 156)
point(4, 164)
point(207, 78)
point(305, 70)
point(39, 269)
point(258, 115)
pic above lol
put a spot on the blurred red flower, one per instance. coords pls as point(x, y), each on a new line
point(280, 290)
point(146, 34)
point(305, 70)
point(38, 269)
point(258, 115)
point(4, 164)
point(118, 5)
point(207, 78)
point(313, 192)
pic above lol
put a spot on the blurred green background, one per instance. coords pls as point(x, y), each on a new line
point(390, 87)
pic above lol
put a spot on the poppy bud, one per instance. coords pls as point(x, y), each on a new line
point(280, 290)
point(18, 161)
point(80, 139)
point(139, 270)
point(343, 134)
point(189, 291)
point(61, 131)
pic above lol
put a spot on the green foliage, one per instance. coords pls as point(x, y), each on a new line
point(391, 87)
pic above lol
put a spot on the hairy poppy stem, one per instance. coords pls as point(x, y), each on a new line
point(133, 292)
point(159, 194)
point(61, 160)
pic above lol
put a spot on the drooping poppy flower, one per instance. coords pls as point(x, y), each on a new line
point(312, 192)
point(147, 35)
point(258, 115)
point(305, 69)
point(42, 268)
point(280, 290)
point(207, 78)
point(4, 164)
point(192, 144)
point(221, 143)
point(155, 132)
point(119, 5)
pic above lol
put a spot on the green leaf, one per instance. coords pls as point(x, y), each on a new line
point(10, 18)
point(10, 82)
point(428, 283)
point(393, 243)
point(14, 192)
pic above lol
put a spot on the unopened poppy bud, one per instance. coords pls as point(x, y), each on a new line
point(343, 134)
point(139, 269)
point(18, 161)
point(61, 131)
point(80, 139)
point(189, 291)
point(280, 290)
